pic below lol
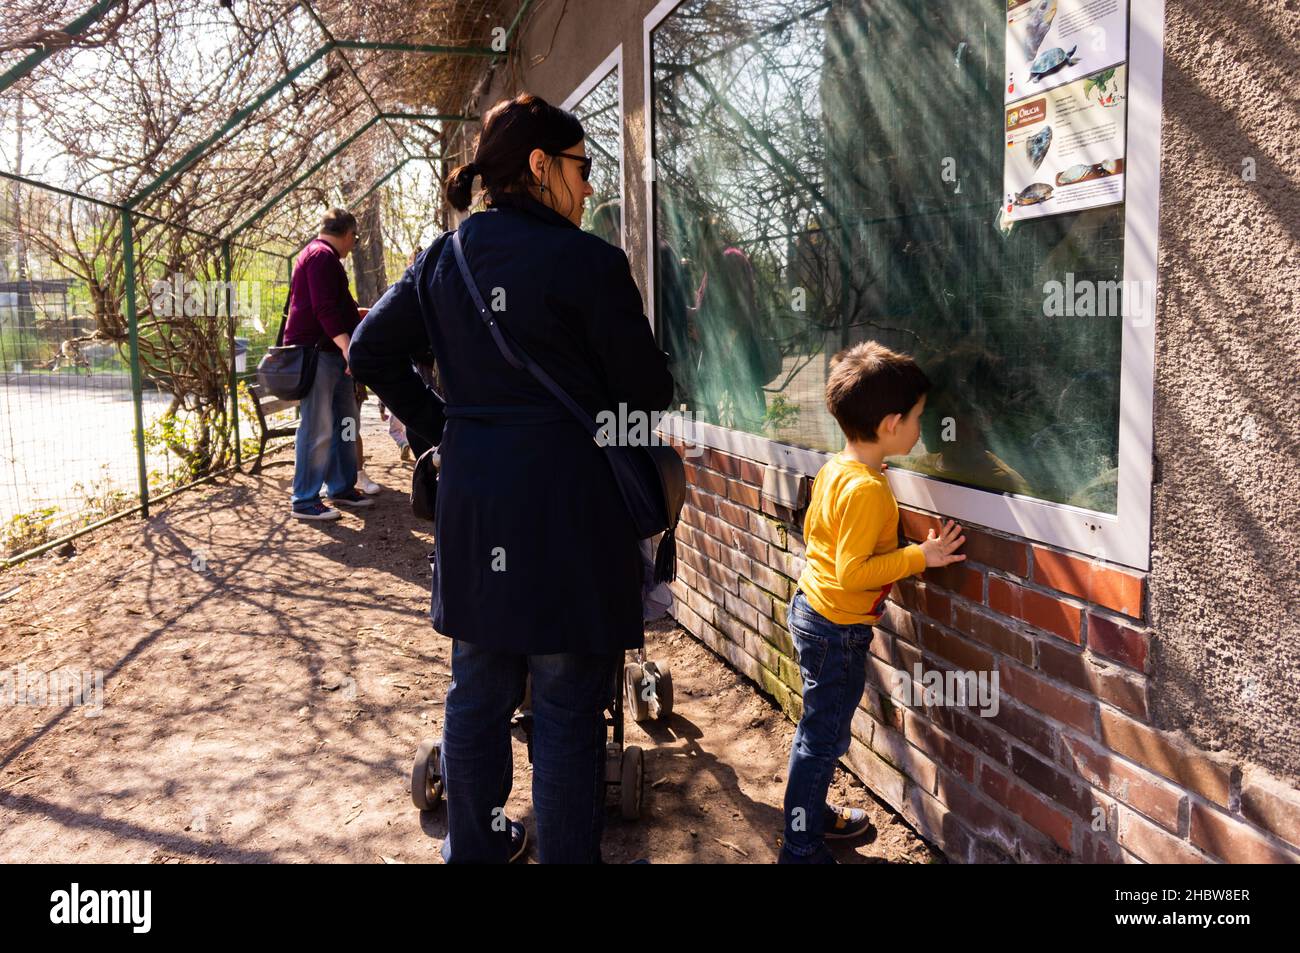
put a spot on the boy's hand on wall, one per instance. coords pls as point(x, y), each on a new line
point(941, 550)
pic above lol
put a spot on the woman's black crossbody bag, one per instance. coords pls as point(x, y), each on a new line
point(651, 479)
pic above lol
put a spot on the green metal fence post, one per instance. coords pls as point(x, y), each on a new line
point(133, 336)
point(230, 318)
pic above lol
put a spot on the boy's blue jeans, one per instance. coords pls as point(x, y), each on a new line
point(321, 455)
point(833, 663)
point(570, 693)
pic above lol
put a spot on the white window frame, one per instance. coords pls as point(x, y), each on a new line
point(610, 64)
point(1123, 538)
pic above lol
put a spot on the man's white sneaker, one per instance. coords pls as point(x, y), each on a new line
point(366, 485)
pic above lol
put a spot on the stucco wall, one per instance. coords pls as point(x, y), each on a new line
point(1225, 587)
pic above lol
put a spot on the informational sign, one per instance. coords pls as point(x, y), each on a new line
point(1065, 149)
point(1054, 42)
point(1067, 106)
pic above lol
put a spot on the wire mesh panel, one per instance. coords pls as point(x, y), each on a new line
point(162, 163)
point(67, 453)
point(184, 346)
point(260, 290)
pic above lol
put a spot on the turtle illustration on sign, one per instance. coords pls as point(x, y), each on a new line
point(1036, 193)
point(1075, 173)
point(1038, 144)
point(1052, 60)
point(1037, 25)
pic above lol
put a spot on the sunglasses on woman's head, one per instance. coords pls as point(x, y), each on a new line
point(585, 160)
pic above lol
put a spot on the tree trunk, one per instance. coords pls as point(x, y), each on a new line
point(368, 256)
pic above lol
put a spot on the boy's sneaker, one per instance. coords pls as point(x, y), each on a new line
point(316, 511)
point(406, 453)
point(518, 840)
point(353, 499)
point(845, 822)
point(366, 485)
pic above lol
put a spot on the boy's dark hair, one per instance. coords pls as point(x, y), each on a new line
point(338, 221)
point(868, 382)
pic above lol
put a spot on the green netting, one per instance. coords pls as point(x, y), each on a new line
point(801, 206)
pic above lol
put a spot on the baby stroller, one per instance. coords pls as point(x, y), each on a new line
point(646, 690)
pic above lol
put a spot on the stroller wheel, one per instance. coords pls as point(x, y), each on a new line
point(426, 775)
point(635, 695)
point(663, 689)
point(631, 788)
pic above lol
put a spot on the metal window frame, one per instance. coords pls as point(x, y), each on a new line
point(1123, 538)
point(613, 63)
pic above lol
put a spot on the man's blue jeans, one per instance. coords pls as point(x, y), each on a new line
point(321, 455)
point(833, 663)
point(570, 693)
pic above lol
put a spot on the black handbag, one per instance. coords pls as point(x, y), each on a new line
point(424, 485)
point(651, 479)
point(287, 372)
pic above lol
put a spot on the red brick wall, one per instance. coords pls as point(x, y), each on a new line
point(1070, 767)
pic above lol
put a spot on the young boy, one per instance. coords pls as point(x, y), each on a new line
point(853, 560)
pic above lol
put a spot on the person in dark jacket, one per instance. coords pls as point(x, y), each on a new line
point(537, 568)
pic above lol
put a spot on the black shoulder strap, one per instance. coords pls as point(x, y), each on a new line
point(520, 359)
point(279, 337)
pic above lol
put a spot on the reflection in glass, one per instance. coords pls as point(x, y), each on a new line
point(831, 172)
point(601, 120)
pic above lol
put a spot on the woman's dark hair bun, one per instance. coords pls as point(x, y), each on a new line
point(512, 129)
point(460, 186)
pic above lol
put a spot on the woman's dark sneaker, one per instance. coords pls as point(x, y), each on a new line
point(820, 856)
point(316, 511)
point(353, 498)
point(518, 840)
point(845, 822)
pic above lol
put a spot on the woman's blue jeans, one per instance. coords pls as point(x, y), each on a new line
point(569, 695)
point(833, 664)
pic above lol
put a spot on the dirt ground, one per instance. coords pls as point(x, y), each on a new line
point(266, 681)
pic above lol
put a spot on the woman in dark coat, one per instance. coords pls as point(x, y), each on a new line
point(537, 569)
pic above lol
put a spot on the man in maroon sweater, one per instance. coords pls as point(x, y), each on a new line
point(323, 314)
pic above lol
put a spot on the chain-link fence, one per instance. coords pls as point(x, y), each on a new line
point(164, 169)
point(100, 411)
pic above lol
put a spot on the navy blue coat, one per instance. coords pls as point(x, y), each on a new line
point(534, 549)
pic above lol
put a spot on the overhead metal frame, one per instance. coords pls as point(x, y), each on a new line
point(129, 210)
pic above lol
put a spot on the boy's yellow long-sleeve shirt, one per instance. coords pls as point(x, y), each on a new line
point(851, 542)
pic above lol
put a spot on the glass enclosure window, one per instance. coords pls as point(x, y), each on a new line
point(828, 173)
point(602, 122)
